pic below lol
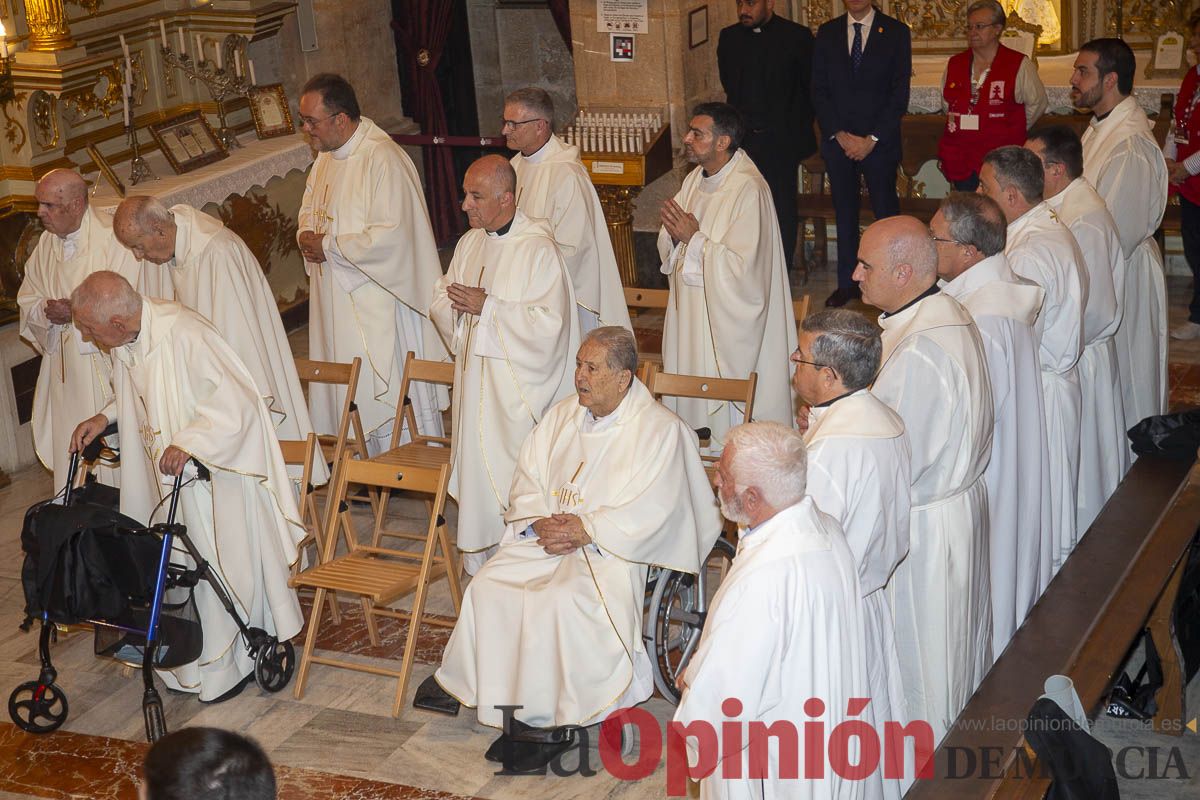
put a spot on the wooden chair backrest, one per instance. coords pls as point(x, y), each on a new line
point(335, 373)
point(420, 370)
point(646, 298)
point(734, 390)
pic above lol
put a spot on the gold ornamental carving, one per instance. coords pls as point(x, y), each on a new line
point(48, 30)
point(13, 131)
point(91, 6)
point(1149, 17)
point(931, 19)
point(43, 111)
point(103, 95)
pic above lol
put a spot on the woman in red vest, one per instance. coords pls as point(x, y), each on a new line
point(1182, 149)
point(992, 96)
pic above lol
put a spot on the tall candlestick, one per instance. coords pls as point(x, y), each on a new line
point(162, 31)
point(125, 103)
point(182, 49)
point(253, 80)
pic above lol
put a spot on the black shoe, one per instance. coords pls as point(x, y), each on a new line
point(432, 697)
point(840, 297)
point(532, 757)
point(232, 693)
point(495, 752)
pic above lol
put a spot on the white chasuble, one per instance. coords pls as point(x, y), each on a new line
point(858, 473)
point(1021, 544)
point(1124, 162)
point(511, 363)
point(934, 375)
point(1103, 448)
point(179, 383)
point(1040, 248)
point(785, 626)
point(74, 381)
point(370, 297)
point(552, 184)
point(560, 636)
point(215, 274)
point(730, 311)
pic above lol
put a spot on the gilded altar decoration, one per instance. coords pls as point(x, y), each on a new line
point(13, 131)
point(91, 6)
point(264, 228)
point(43, 110)
point(931, 19)
point(103, 96)
point(48, 30)
point(1149, 18)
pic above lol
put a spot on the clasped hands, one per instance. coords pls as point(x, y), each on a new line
point(311, 247)
point(856, 148)
point(681, 225)
point(58, 311)
point(1177, 173)
point(466, 299)
point(561, 534)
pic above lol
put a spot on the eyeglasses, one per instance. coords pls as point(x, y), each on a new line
point(816, 364)
point(981, 26)
point(947, 241)
point(512, 123)
point(312, 122)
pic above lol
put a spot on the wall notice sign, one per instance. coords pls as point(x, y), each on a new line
point(608, 168)
point(621, 16)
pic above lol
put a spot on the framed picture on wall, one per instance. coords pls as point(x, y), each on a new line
point(188, 142)
point(698, 26)
point(269, 106)
point(621, 45)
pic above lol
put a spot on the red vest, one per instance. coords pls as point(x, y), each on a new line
point(1188, 125)
point(1001, 117)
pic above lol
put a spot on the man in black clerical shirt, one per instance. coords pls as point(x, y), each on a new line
point(766, 68)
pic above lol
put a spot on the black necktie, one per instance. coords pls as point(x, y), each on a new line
point(856, 47)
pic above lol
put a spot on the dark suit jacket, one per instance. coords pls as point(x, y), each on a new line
point(767, 77)
point(872, 100)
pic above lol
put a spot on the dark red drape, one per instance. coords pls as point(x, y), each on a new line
point(421, 34)
point(561, 11)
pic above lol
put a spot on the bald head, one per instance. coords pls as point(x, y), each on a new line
point(147, 227)
point(488, 189)
point(897, 262)
point(62, 201)
point(106, 309)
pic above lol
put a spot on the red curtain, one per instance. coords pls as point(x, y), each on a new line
point(421, 34)
point(561, 11)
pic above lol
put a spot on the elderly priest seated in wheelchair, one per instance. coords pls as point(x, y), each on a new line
point(607, 485)
point(181, 393)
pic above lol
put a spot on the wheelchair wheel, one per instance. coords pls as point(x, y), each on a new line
point(679, 608)
point(274, 664)
point(38, 707)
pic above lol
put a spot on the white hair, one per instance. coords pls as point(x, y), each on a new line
point(772, 458)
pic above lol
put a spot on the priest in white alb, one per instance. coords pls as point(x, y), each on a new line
point(934, 375)
point(970, 233)
point(858, 473)
point(372, 264)
point(730, 311)
point(215, 274)
point(1122, 159)
point(506, 311)
point(784, 630)
point(1040, 248)
point(182, 392)
point(608, 484)
point(552, 184)
point(74, 380)
point(1103, 448)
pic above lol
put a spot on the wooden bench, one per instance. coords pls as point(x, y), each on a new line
point(1122, 577)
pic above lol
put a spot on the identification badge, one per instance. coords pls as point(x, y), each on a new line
point(969, 122)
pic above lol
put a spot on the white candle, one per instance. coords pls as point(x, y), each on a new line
point(125, 103)
point(253, 80)
point(182, 48)
point(217, 48)
point(162, 31)
point(237, 63)
point(124, 47)
point(199, 49)
point(128, 72)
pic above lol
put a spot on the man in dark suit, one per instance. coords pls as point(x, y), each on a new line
point(862, 64)
point(766, 69)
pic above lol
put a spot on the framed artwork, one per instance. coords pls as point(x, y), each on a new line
point(188, 142)
point(269, 106)
point(697, 26)
point(106, 170)
point(621, 45)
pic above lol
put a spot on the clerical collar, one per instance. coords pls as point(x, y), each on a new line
point(831, 401)
point(343, 152)
point(719, 175)
point(766, 24)
point(930, 292)
point(1104, 116)
point(538, 155)
point(70, 242)
point(503, 230)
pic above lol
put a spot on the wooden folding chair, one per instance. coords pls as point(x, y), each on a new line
point(421, 448)
point(303, 453)
point(380, 576)
point(643, 299)
point(735, 390)
point(340, 445)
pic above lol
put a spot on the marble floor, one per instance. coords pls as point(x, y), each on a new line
point(339, 740)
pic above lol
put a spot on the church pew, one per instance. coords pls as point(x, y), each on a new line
point(1121, 578)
